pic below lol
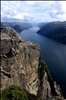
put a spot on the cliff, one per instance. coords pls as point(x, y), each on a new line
point(54, 30)
point(48, 89)
point(20, 65)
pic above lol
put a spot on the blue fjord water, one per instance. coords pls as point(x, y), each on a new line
point(54, 54)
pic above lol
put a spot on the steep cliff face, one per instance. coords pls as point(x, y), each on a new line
point(48, 89)
point(19, 62)
point(20, 65)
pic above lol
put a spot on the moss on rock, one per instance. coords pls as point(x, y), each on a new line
point(13, 93)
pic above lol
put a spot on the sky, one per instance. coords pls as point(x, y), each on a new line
point(36, 11)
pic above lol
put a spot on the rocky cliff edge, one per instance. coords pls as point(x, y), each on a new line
point(19, 63)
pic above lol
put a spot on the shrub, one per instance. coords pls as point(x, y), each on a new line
point(13, 93)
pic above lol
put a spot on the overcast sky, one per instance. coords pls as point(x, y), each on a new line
point(34, 10)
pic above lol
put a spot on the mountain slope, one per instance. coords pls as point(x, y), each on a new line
point(20, 65)
point(55, 30)
point(18, 26)
point(41, 24)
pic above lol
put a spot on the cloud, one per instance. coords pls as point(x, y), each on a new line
point(34, 10)
point(22, 16)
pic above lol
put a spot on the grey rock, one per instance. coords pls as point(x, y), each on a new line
point(20, 66)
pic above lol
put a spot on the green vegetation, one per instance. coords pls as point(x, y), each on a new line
point(13, 93)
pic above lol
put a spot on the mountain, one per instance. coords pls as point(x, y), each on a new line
point(55, 30)
point(42, 24)
point(18, 26)
point(21, 65)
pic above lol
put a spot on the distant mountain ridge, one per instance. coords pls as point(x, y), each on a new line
point(42, 24)
point(18, 26)
point(54, 30)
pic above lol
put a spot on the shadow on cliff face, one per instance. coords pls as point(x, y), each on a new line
point(50, 89)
